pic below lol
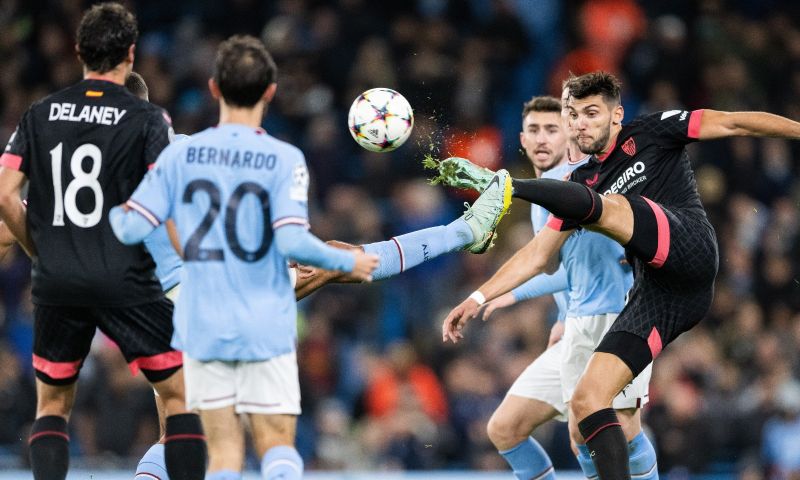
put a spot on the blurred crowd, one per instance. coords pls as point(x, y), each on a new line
point(380, 391)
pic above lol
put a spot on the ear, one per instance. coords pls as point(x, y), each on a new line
point(617, 115)
point(269, 93)
point(522, 139)
point(131, 53)
point(78, 53)
point(216, 94)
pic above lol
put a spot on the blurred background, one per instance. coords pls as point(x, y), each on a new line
point(380, 391)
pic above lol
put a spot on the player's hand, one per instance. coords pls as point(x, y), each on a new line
point(457, 319)
point(555, 333)
point(502, 301)
point(366, 263)
point(304, 271)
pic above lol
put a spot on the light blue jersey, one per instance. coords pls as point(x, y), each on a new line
point(235, 193)
point(168, 262)
point(597, 280)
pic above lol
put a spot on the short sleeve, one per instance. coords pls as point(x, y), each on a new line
point(289, 202)
point(17, 152)
point(673, 128)
point(153, 197)
point(157, 134)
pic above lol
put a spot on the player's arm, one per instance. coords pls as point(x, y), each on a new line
point(310, 279)
point(130, 224)
point(12, 210)
point(716, 124)
point(538, 256)
point(538, 286)
point(7, 240)
point(296, 242)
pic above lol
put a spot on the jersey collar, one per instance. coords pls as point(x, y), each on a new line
point(602, 158)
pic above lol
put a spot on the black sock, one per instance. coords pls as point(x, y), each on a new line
point(607, 445)
point(567, 200)
point(185, 447)
point(49, 448)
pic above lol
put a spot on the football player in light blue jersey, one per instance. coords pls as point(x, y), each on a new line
point(596, 282)
point(239, 200)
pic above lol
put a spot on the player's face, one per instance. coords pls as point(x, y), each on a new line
point(591, 119)
point(543, 139)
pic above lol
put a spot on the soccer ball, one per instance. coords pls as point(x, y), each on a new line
point(380, 120)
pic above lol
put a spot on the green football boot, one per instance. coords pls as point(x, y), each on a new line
point(459, 173)
point(485, 214)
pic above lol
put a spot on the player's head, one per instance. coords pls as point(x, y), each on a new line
point(137, 86)
point(543, 137)
point(594, 109)
point(244, 72)
point(106, 37)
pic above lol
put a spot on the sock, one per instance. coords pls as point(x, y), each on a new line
point(641, 459)
point(568, 200)
point(642, 455)
point(529, 461)
point(152, 465)
point(607, 445)
point(185, 447)
point(281, 462)
point(224, 475)
point(49, 448)
point(409, 250)
point(585, 460)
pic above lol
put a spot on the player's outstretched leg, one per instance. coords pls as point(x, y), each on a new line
point(567, 200)
point(473, 231)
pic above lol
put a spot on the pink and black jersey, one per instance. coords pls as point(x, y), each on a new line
point(649, 159)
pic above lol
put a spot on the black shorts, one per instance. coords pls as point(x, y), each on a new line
point(675, 261)
point(63, 336)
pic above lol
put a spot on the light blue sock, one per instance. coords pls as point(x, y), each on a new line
point(152, 465)
point(587, 465)
point(281, 462)
point(642, 458)
point(224, 475)
point(409, 250)
point(529, 461)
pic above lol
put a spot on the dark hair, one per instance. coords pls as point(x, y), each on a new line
point(105, 34)
point(243, 70)
point(541, 104)
point(596, 83)
point(136, 85)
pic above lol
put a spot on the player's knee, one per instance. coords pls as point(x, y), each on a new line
point(504, 433)
point(584, 403)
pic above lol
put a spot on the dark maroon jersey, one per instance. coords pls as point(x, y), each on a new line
point(84, 150)
point(649, 159)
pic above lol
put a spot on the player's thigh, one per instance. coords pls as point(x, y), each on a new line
point(680, 243)
point(143, 334)
point(224, 438)
point(271, 431)
point(617, 220)
point(62, 337)
point(541, 381)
